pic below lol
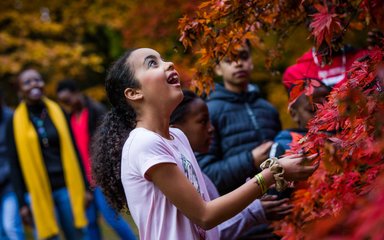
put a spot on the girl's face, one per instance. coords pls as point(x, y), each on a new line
point(197, 126)
point(160, 83)
point(31, 86)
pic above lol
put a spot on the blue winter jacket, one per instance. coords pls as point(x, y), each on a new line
point(242, 122)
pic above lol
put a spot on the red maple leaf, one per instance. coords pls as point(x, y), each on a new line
point(302, 86)
point(325, 24)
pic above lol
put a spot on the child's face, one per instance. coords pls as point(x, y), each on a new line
point(160, 83)
point(304, 109)
point(236, 72)
point(197, 126)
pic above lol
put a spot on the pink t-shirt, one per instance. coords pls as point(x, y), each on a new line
point(155, 216)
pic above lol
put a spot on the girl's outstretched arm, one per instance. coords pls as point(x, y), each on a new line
point(180, 191)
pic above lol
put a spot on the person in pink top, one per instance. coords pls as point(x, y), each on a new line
point(143, 164)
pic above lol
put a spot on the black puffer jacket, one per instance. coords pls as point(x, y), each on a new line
point(242, 122)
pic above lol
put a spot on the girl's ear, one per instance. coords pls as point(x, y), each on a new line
point(133, 94)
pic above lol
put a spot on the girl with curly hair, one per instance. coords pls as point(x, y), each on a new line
point(143, 164)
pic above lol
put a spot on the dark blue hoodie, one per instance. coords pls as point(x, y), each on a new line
point(242, 122)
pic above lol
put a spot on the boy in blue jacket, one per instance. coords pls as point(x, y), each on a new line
point(244, 125)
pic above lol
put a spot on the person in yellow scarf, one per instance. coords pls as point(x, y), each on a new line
point(46, 169)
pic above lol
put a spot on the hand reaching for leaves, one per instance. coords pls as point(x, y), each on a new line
point(296, 166)
point(275, 209)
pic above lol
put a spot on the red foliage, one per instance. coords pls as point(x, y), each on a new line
point(325, 24)
point(300, 87)
point(375, 9)
point(363, 220)
point(348, 133)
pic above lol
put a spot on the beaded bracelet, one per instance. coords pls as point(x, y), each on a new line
point(278, 172)
point(259, 179)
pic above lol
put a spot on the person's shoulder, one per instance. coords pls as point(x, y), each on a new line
point(218, 94)
point(141, 140)
point(145, 138)
point(216, 106)
point(219, 99)
point(142, 135)
point(175, 132)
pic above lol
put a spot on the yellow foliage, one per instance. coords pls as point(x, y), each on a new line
point(96, 92)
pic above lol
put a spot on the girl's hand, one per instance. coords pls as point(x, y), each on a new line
point(294, 168)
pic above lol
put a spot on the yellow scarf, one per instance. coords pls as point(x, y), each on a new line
point(35, 174)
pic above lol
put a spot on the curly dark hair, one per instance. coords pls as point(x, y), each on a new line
point(107, 145)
